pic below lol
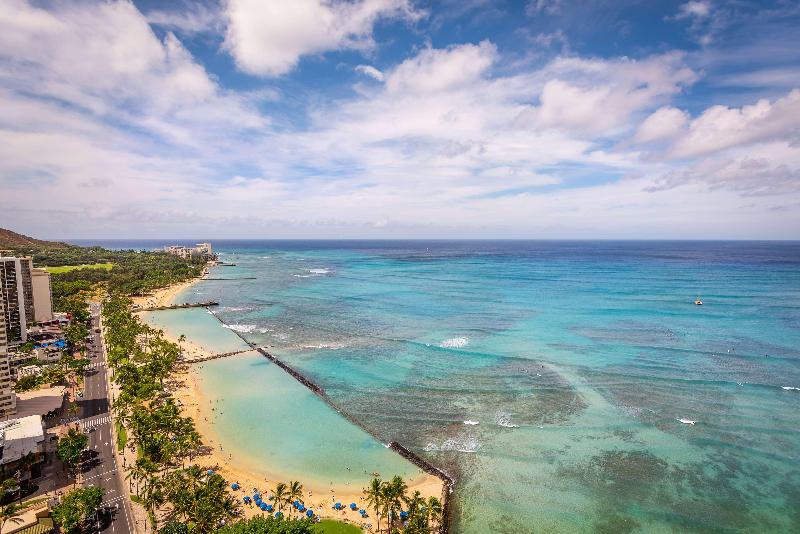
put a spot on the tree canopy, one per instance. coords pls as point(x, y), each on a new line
point(71, 446)
point(76, 506)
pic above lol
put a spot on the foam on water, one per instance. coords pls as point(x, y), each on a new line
point(504, 420)
point(459, 444)
point(241, 328)
point(455, 343)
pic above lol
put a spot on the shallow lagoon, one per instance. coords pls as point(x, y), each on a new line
point(263, 416)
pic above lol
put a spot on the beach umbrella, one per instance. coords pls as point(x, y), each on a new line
point(278, 514)
point(353, 506)
point(210, 472)
point(338, 506)
point(234, 486)
point(269, 508)
point(246, 499)
point(403, 515)
point(310, 513)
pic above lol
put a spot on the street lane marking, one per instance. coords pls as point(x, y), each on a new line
point(95, 420)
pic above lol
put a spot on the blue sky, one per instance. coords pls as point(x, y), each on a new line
point(400, 119)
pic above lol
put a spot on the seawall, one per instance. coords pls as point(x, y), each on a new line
point(447, 480)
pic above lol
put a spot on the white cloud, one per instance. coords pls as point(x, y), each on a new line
point(372, 72)
point(547, 7)
point(720, 127)
point(191, 18)
point(695, 8)
point(664, 123)
point(595, 97)
point(268, 37)
point(442, 69)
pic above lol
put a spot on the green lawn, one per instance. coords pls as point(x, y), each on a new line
point(67, 268)
point(122, 436)
point(331, 526)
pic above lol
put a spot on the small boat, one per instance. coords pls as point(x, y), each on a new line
point(698, 302)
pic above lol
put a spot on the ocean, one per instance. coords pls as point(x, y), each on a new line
point(567, 386)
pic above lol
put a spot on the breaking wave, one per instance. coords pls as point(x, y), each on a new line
point(504, 420)
point(469, 445)
point(241, 328)
point(455, 343)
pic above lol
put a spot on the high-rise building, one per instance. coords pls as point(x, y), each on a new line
point(16, 292)
point(8, 401)
point(42, 296)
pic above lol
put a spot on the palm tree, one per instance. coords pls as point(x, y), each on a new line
point(9, 512)
point(395, 493)
point(281, 494)
point(140, 471)
point(295, 491)
point(374, 497)
point(434, 511)
point(153, 497)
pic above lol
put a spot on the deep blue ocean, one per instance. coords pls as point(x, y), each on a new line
point(598, 396)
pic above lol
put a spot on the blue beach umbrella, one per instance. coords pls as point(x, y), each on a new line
point(403, 515)
point(246, 499)
point(353, 506)
point(234, 486)
point(310, 513)
point(278, 514)
point(263, 507)
point(338, 506)
point(268, 507)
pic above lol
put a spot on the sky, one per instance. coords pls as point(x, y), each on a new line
point(542, 119)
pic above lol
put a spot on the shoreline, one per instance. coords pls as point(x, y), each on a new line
point(187, 389)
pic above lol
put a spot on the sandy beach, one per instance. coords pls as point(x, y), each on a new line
point(188, 391)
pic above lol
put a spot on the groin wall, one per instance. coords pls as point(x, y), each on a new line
point(447, 480)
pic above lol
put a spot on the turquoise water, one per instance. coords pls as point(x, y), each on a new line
point(261, 416)
point(577, 361)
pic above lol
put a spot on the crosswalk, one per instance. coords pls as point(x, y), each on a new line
point(95, 421)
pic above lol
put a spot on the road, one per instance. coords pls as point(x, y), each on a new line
point(101, 470)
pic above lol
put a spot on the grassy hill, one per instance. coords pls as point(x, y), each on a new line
point(10, 240)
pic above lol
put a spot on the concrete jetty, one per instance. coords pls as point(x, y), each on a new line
point(206, 358)
point(180, 306)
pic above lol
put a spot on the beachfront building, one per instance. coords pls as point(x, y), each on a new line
point(7, 399)
point(16, 293)
point(42, 296)
point(200, 250)
point(19, 437)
